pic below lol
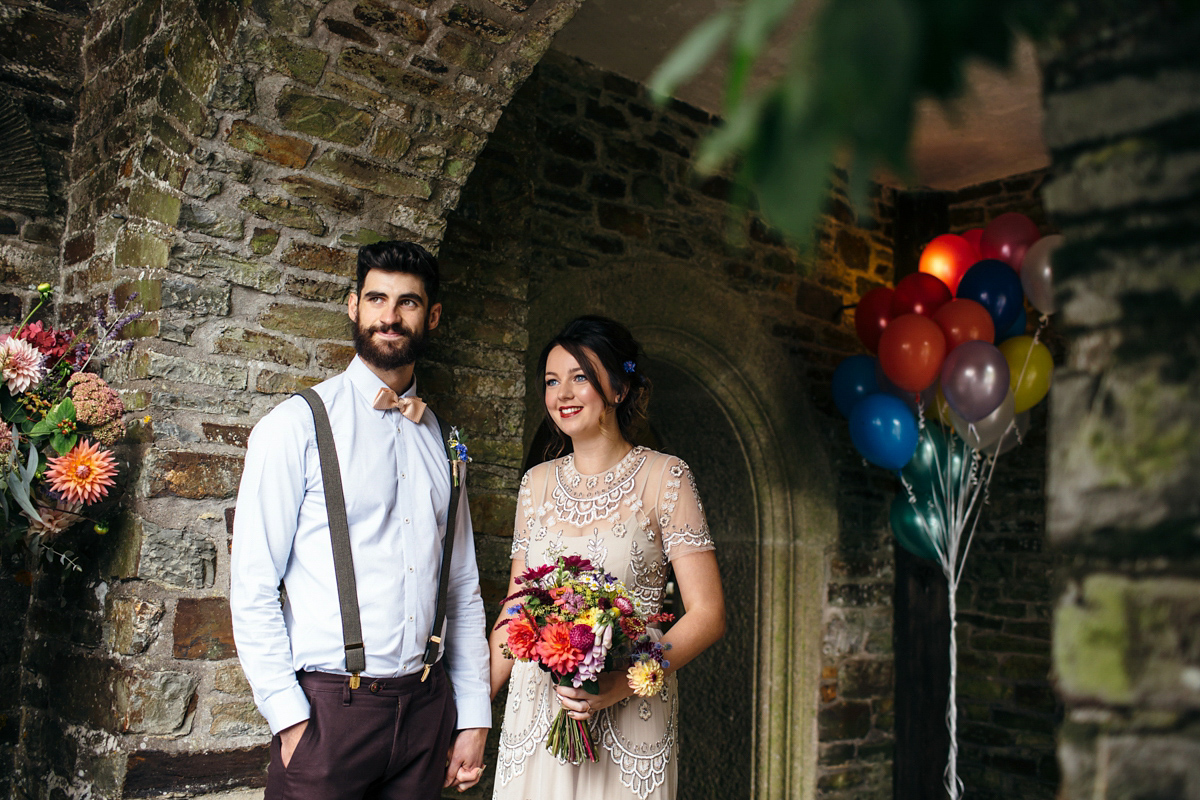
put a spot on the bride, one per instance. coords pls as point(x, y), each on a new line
point(630, 511)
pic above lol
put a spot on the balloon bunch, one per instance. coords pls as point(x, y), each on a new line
point(951, 387)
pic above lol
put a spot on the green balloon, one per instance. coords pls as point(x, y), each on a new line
point(914, 526)
point(936, 450)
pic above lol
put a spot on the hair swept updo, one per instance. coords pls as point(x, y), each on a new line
point(618, 353)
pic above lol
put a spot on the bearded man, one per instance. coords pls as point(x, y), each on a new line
point(394, 728)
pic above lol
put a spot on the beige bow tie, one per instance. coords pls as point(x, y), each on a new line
point(411, 407)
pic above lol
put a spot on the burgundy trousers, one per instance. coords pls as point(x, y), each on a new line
point(385, 740)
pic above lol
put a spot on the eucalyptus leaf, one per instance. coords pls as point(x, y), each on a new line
point(690, 55)
point(19, 486)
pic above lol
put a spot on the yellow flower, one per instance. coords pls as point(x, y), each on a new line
point(589, 617)
point(645, 678)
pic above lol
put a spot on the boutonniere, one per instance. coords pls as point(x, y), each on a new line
point(456, 446)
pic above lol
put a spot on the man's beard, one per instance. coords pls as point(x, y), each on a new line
point(388, 355)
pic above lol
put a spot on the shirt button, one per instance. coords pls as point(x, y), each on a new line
point(410, 617)
point(400, 428)
point(406, 520)
point(410, 569)
point(403, 475)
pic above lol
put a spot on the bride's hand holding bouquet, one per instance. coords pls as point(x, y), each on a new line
point(578, 623)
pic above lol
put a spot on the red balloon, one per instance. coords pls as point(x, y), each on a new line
point(947, 257)
point(911, 351)
point(1007, 237)
point(973, 236)
point(919, 293)
point(872, 315)
point(964, 320)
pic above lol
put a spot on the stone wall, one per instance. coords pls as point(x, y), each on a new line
point(1124, 454)
point(40, 72)
point(603, 208)
point(226, 161)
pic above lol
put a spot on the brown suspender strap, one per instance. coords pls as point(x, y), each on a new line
point(339, 535)
point(433, 646)
point(343, 561)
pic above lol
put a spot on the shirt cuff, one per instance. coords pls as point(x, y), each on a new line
point(474, 711)
point(285, 708)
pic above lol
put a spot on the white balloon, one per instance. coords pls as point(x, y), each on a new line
point(984, 433)
point(1037, 272)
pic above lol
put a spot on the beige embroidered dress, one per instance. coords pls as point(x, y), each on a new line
point(630, 521)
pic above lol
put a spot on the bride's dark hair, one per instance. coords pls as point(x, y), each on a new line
point(618, 353)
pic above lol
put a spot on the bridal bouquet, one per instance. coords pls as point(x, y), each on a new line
point(576, 621)
point(57, 421)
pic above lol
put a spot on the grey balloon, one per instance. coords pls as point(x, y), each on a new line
point(982, 434)
point(974, 379)
point(1037, 273)
point(1012, 436)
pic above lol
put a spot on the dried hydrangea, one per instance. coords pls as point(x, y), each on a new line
point(98, 406)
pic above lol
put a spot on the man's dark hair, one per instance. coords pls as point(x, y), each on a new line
point(407, 257)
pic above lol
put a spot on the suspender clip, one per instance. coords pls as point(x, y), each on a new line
point(354, 681)
point(425, 672)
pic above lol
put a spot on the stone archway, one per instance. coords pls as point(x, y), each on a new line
point(228, 157)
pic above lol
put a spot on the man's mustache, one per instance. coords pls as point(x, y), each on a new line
point(395, 327)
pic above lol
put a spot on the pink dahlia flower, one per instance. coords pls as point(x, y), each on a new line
point(20, 364)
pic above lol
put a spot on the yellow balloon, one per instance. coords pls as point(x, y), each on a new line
point(1030, 370)
point(939, 409)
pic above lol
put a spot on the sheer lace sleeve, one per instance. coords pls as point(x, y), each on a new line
point(525, 521)
point(681, 515)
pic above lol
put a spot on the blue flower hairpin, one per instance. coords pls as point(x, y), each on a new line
point(630, 367)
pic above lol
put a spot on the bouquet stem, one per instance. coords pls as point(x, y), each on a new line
point(570, 739)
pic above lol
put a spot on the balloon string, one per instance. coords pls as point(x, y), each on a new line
point(1042, 322)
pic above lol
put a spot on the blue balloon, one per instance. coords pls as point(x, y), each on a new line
point(884, 431)
point(1018, 327)
point(853, 380)
point(997, 287)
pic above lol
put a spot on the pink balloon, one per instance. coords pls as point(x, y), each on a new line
point(1007, 237)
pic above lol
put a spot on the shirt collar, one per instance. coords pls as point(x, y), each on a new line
point(368, 383)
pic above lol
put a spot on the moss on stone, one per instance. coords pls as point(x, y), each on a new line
point(322, 117)
point(1091, 641)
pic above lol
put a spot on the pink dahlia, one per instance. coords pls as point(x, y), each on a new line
point(53, 520)
point(20, 364)
point(82, 475)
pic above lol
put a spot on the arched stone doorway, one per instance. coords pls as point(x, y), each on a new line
point(716, 732)
point(723, 403)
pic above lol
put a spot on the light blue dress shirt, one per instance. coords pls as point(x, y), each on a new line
point(397, 484)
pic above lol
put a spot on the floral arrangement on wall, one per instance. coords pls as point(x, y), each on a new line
point(59, 421)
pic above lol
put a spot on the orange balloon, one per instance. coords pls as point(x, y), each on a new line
point(911, 350)
point(947, 257)
point(963, 320)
